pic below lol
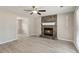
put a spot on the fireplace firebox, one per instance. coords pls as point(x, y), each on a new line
point(48, 31)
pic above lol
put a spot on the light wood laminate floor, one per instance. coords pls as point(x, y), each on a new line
point(37, 45)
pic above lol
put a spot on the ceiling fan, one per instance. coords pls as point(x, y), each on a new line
point(35, 10)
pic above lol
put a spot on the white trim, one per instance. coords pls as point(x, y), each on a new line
point(76, 47)
point(50, 23)
point(7, 41)
point(65, 39)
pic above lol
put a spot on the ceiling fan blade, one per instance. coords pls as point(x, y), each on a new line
point(42, 10)
point(39, 13)
point(27, 10)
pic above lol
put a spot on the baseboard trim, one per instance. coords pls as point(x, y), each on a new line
point(77, 49)
point(7, 41)
point(65, 39)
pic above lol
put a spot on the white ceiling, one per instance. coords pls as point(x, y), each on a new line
point(50, 10)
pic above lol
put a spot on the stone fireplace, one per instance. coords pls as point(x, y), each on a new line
point(49, 26)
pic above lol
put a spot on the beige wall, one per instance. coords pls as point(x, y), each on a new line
point(64, 26)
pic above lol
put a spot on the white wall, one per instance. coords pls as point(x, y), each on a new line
point(76, 28)
point(37, 26)
point(23, 26)
point(30, 26)
point(34, 26)
point(64, 26)
point(77, 18)
point(10, 26)
point(7, 26)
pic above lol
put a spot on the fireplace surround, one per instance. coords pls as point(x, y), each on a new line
point(49, 26)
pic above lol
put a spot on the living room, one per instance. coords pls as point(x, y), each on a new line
point(52, 30)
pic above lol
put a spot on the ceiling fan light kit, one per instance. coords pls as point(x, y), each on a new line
point(35, 11)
